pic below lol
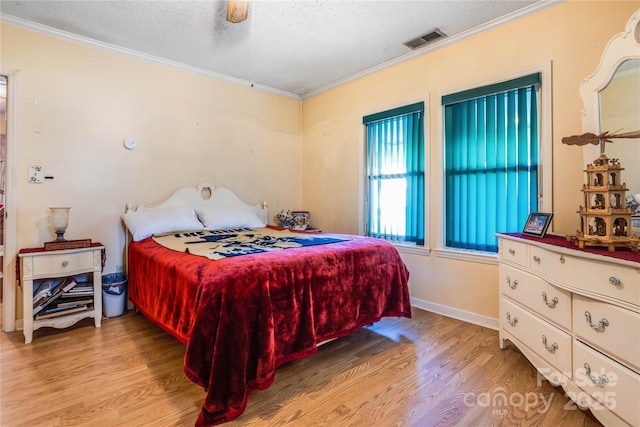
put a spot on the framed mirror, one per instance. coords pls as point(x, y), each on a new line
point(620, 112)
point(611, 97)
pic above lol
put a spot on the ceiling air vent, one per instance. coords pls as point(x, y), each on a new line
point(425, 39)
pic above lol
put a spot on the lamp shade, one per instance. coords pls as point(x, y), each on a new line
point(60, 221)
point(237, 10)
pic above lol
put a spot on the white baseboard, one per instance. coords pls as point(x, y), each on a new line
point(465, 316)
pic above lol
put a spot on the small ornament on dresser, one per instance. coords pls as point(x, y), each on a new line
point(295, 220)
point(605, 218)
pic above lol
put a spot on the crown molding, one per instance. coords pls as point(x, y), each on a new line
point(536, 7)
point(50, 31)
point(449, 40)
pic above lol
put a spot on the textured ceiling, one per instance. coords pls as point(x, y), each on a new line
point(297, 47)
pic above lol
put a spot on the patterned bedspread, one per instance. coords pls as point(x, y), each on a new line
point(219, 244)
point(243, 316)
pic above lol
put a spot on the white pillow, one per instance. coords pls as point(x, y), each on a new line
point(228, 216)
point(148, 222)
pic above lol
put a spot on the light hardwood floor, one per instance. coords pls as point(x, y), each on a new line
point(426, 371)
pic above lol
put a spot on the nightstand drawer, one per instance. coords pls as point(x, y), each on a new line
point(55, 264)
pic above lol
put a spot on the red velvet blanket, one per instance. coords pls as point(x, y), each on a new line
point(244, 316)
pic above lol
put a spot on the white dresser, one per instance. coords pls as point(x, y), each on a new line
point(575, 314)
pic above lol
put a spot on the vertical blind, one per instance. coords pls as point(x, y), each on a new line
point(491, 162)
point(395, 174)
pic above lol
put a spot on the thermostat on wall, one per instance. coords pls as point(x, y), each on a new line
point(130, 143)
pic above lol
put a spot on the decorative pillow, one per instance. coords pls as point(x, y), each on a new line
point(228, 216)
point(148, 222)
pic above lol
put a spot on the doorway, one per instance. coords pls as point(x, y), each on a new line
point(3, 168)
point(8, 85)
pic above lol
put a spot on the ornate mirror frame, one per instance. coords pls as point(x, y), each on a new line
point(621, 47)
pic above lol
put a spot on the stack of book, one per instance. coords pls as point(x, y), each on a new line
point(61, 296)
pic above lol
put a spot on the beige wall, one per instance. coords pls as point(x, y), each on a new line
point(191, 128)
point(75, 106)
point(571, 35)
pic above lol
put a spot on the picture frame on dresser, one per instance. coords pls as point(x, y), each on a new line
point(537, 224)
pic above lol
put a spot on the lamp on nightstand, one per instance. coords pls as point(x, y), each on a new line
point(60, 222)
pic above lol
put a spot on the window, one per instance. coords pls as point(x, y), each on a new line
point(395, 174)
point(491, 170)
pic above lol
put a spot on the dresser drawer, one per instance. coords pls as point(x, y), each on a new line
point(515, 252)
point(614, 330)
point(615, 281)
point(549, 342)
point(536, 294)
point(60, 264)
point(612, 385)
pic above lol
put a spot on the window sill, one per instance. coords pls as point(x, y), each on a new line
point(472, 256)
point(412, 249)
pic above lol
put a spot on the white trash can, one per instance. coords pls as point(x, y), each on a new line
point(114, 295)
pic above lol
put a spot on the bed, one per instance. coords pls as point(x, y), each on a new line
point(261, 297)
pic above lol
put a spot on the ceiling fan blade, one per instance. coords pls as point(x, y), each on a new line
point(585, 138)
point(237, 10)
point(591, 138)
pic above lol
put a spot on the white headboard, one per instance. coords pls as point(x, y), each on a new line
point(203, 195)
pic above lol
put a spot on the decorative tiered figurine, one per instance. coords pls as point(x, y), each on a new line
point(605, 217)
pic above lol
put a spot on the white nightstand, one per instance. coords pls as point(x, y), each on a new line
point(38, 265)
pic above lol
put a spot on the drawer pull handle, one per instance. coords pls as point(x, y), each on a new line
point(601, 324)
point(561, 259)
point(615, 281)
point(536, 259)
point(512, 285)
point(599, 381)
point(550, 348)
point(551, 304)
point(65, 263)
point(512, 251)
point(511, 322)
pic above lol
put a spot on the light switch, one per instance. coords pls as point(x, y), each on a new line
point(36, 174)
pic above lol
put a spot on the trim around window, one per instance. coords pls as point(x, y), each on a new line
point(545, 198)
point(466, 255)
point(362, 172)
point(413, 249)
